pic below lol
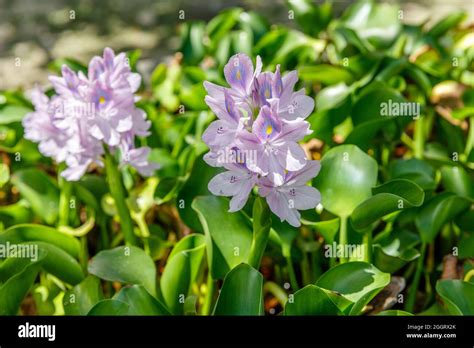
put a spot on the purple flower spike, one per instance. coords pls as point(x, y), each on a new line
point(88, 113)
point(260, 121)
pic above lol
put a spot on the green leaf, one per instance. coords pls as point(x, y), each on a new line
point(4, 174)
point(457, 296)
point(129, 265)
point(394, 249)
point(241, 293)
point(415, 170)
point(359, 282)
point(16, 278)
point(32, 232)
point(196, 185)
point(325, 74)
point(15, 214)
point(455, 179)
point(346, 178)
point(109, 307)
point(59, 263)
point(40, 191)
point(83, 297)
point(394, 313)
point(140, 302)
point(183, 265)
point(228, 235)
point(376, 23)
point(392, 196)
point(438, 211)
point(444, 25)
point(311, 300)
point(13, 113)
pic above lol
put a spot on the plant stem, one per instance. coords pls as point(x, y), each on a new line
point(368, 247)
point(276, 291)
point(261, 230)
point(470, 137)
point(64, 199)
point(419, 138)
point(410, 304)
point(343, 238)
point(292, 274)
point(208, 299)
point(117, 190)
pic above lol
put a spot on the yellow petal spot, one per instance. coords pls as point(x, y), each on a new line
point(101, 100)
point(269, 130)
point(238, 75)
point(267, 93)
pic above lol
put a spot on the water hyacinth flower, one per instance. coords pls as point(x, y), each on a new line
point(260, 119)
point(89, 115)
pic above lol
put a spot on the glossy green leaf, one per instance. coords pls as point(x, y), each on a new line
point(438, 211)
point(181, 270)
point(392, 196)
point(325, 74)
point(59, 263)
point(394, 313)
point(140, 301)
point(311, 300)
point(32, 232)
point(455, 179)
point(241, 293)
point(346, 178)
point(16, 278)
point(109, 307)
point(359, 282)
point(457, 296)
point(125, 264)
point(40, 191)
point(377, 23)
point(394, 249)
point(83, 297)
point(228, 235)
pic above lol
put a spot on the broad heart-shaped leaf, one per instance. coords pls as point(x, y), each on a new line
point(140, 301)
point(228, 235)
point(241, 293)
point(58, 262)
point(181, 270)
point(80, 299)
point(456, 180)
point(196, 185)
point(125, 264)
point(438, 211)
point(36, 233)
point(346, 178)
point(40, 191)
point(311, 300)
point(325, 73)
point(109, 307)
point(359, 282)
point(392, 196)
point(394, 249)
point(457, 295)
point(16, 278)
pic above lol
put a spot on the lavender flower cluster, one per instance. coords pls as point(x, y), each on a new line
point(88, 113)
point(260, 121)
